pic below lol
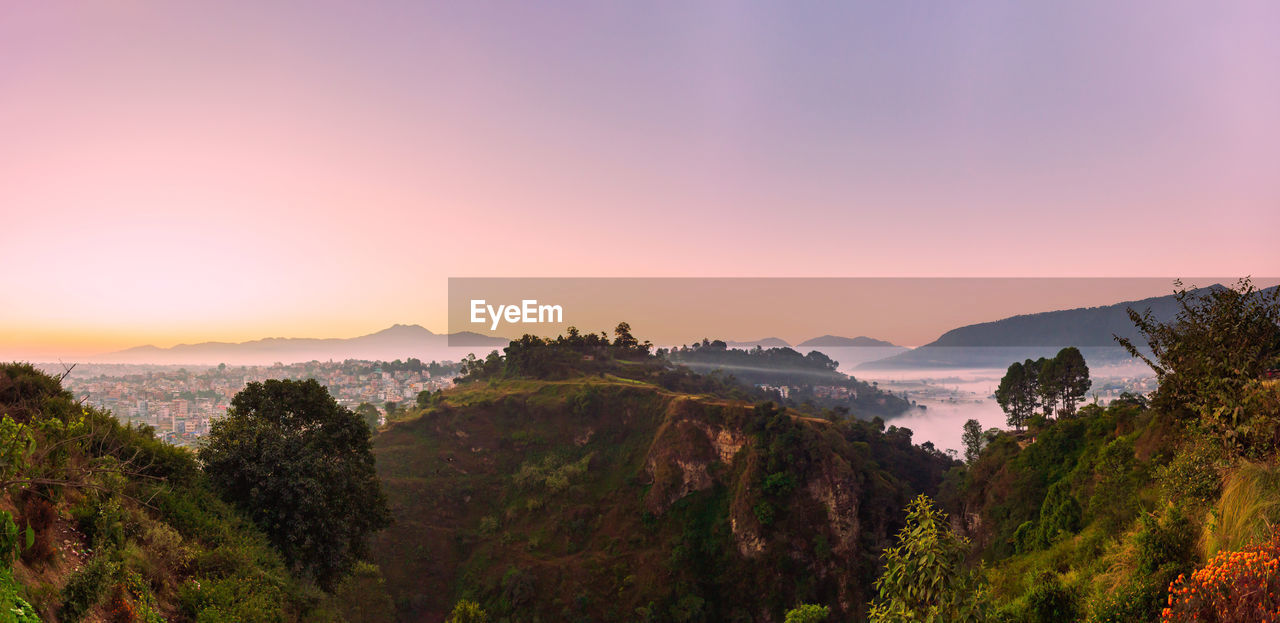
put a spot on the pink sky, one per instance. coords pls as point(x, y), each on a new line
point(179, 172)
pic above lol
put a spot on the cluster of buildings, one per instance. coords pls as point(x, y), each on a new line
point(181, 404)
point(835, 392)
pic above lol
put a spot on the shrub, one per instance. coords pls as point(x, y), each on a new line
point(924, 576)
point(467, 612)
point(807, 613)
point(1059, 515)
point(1168, 541)
point(1139, 599)
point(1241, 587)
point(87, 587)
point(38, 515)
point(1194, 473)
point(1051, 602)
point(13, 608)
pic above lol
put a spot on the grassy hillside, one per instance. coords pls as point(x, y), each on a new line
point(103, 522)
point(601, 498)
point(1146, 510)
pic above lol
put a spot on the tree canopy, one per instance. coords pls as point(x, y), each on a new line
point(302, 467)
point(1054, 385)
point(1211, 358)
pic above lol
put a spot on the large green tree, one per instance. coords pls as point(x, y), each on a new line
point(1014, 395)
point(302, 467)
point(1048, 385)
point(1209, 360)
point(1071, 379)
point(974, 439)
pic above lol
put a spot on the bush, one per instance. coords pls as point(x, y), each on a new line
point(1051, 602)
point(925, 576)
point(1139, 599)
point(1169, 541)
point(1241, 587)
point(467, 612)
point(1059, 515)
point(13, 608)
point(807, 613)
point(1194, 474)
point(87, 587)
point(38, 514)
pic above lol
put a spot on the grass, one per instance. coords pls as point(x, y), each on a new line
point(1247, 511)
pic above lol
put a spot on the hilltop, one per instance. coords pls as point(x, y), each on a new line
point(768, 342)
point(1029, 336)
point(838, 341)
point(579, 480)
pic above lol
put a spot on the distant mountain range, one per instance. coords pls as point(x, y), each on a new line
point(835, 341)
point(1003, 341)
point(768, 342)
point(396, 342)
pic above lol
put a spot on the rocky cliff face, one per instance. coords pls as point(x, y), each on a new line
point(655, 500)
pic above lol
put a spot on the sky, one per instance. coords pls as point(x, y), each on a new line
point(182, 172)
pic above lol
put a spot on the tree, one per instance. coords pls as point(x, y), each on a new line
point(623, 340)
point(467, 611)
point(1012, 395)
point(925, 578)
point(1072, 379)
point(302, 467)
point(974, 439)
point(1048, 385)
point(1209, 359)
point(423, 399)
point(1029, 390)
point(369, 413)
point(391, 407)
point(1055, 385)
point(807, 613)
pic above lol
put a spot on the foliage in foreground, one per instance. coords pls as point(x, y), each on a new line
point(1210, 359)
point(925, 577)
point(158, 545)
point(302, 467)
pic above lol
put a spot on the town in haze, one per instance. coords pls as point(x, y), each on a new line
point(181, 403)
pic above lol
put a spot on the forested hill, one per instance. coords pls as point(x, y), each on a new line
point(601, 498)
point(811, 378)
point(1035, 335)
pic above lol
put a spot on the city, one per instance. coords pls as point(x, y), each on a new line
point(181, 403)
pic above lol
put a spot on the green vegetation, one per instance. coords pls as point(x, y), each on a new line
point(1054, 385)
point(925, 578)
point(584, 478)
point(588, 481)
point(1247, 511)
point(807, 613)
point(302, 467)
point(812, 379)
point(113, 525)
point(1107, 514)
point(1210, 361)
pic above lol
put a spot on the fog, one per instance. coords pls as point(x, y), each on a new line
point(951, 396)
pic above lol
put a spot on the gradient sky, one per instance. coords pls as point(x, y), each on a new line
point(178, 172)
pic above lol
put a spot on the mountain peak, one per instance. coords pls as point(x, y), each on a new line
point(405, 329)
point(836, 340)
